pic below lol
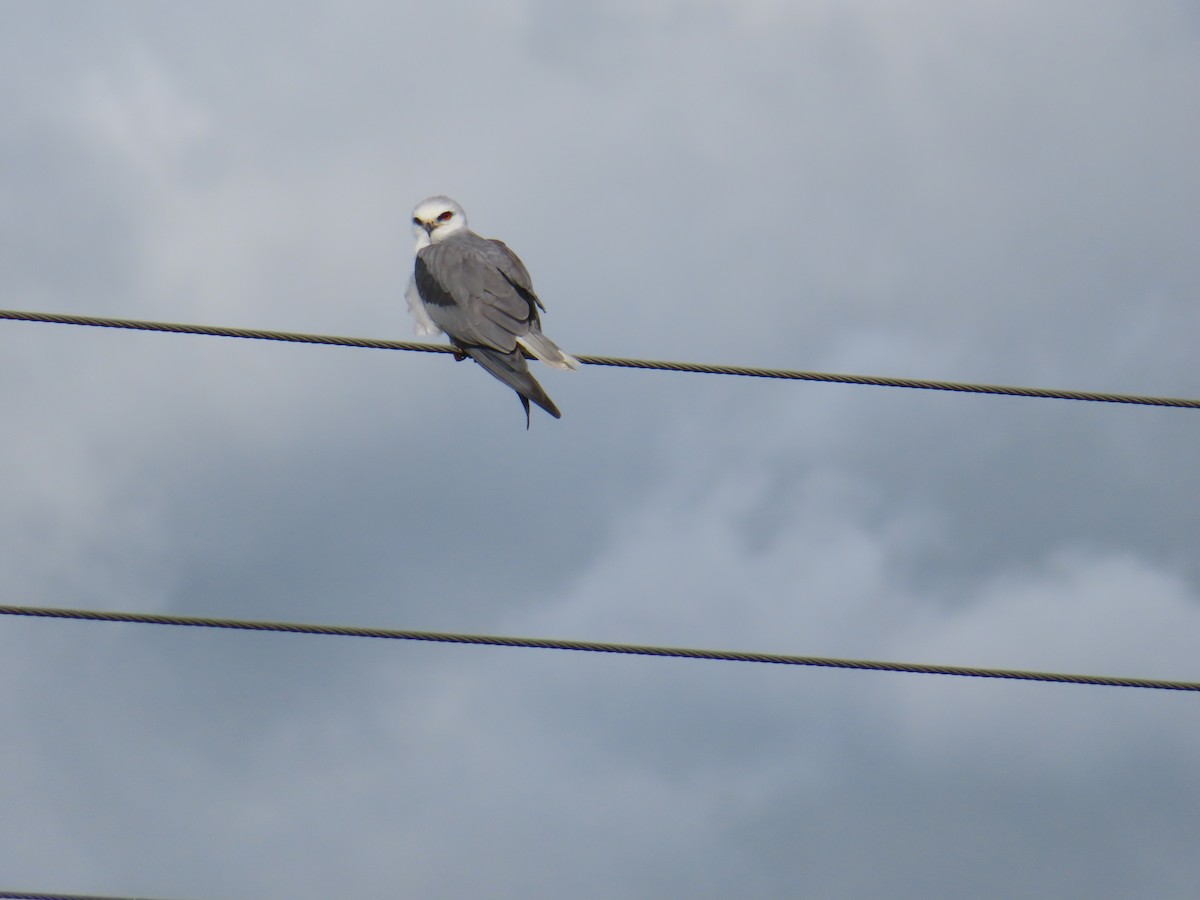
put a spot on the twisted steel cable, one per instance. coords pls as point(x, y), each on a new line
point(612, 361)
point(38, 895)
point(595, 647)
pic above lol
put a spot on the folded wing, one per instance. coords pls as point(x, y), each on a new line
point(481, 295)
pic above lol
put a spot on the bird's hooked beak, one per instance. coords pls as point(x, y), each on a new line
point(429, 226)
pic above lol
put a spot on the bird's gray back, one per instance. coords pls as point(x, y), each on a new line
point(477, 290)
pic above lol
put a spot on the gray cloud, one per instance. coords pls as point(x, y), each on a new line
point(1002, 193)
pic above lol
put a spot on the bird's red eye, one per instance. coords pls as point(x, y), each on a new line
point(446, 216)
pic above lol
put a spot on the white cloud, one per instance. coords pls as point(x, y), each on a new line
point(139, 113)
point(1078, 613)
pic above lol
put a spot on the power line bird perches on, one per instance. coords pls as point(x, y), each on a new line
point(612, 361)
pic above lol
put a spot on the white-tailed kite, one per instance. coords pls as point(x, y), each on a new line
point(480, 294)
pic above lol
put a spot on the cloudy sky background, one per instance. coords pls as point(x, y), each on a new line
point(996, 191)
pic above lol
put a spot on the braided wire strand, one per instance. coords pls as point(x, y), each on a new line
point(595, 647)
point(612, 361)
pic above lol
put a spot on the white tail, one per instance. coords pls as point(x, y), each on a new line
point(547, 351)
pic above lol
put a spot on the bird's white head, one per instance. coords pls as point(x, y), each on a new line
point(436, 219)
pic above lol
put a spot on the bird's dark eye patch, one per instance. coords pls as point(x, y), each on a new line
point(416, 221)
point(446, 216)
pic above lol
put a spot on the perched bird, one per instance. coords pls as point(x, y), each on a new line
point(480, 294)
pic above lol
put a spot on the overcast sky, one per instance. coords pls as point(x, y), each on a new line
point(987, 191)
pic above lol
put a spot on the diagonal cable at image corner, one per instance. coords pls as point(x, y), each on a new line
point(595, 647)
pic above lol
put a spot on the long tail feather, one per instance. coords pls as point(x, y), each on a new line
point(512, 369)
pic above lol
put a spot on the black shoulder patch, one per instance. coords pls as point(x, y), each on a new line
point(430, 288)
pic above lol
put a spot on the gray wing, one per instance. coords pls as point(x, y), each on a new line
point(477, 291)
point(514, 270)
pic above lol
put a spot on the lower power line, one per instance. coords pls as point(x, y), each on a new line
point(596, 647)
